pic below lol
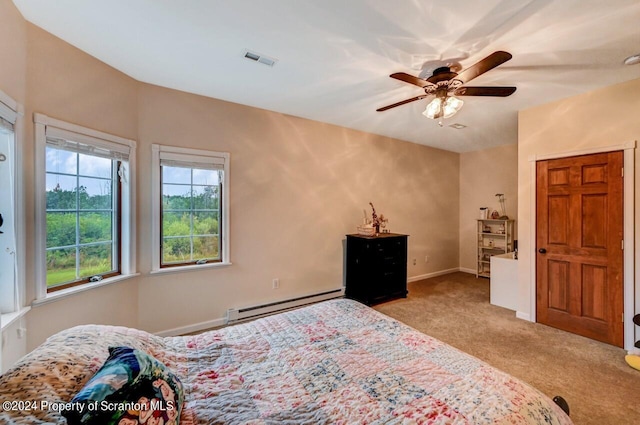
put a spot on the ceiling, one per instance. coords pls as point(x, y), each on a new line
point(334, 57)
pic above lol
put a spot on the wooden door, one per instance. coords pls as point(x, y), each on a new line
point(579, 245)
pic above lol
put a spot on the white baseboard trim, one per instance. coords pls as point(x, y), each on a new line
point(523, 316)
point(433, 274)
point(238, 314)
point(181, 330)
point(466, 270)
point(193, 328)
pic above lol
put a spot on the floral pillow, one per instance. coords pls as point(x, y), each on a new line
point(130, 388)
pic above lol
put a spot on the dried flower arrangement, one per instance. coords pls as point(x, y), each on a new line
point(372, 226)
point(377, 221)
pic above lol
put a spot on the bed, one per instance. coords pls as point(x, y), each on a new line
point(336, 362)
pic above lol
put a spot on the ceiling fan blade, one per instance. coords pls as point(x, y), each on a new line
point(410, 79)
point(413, 99)
point(486, 64)
point(485, 91)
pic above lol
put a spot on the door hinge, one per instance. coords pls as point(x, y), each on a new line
point(622, 172)
point(622, 317)
point(622, 244)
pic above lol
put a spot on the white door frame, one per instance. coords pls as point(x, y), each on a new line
point(631, 290)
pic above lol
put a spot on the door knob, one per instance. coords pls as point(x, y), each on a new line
point(542, 251)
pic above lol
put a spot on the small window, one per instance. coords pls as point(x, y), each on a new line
point(190, 204)
point(86, 214)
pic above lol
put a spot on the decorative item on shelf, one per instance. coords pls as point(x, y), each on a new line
point(366, 230)
point(501, 229)
point(503, 210)
point(371, 226)
point(486, 229)
point(483, 213)
point(495, 215)
point(377, 221)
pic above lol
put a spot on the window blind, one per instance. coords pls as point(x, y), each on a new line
point(207, 162)
point(8, 115)
point(6, 126)
point(80, 143)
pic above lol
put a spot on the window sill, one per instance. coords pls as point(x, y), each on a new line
point(180, 269)
point(7, 319)
point(63, 293)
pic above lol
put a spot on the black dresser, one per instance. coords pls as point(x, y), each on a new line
point(376, 267)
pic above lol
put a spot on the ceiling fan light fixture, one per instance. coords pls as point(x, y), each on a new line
point(434, 109)
point(443, 107)
point(446, 79)
point(451, 106)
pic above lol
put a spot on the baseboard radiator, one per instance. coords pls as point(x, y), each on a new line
point(235, 315)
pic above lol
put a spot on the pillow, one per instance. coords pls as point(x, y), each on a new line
point(132, 387)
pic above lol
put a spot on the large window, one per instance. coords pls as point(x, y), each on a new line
point(190, 219)
point(87, 205)
point(9, 229)
point(82, 214)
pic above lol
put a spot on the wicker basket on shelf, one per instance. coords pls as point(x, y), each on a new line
point(366, 230)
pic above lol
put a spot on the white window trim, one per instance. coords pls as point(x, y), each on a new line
point(53, 296)
point(194, 155)
point(128, 208)
point(13, 112)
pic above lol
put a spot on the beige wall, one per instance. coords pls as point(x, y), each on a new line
point(297, 187)
point(49, 76)
point(13, 51)
point(483, 174)
point(598, 119)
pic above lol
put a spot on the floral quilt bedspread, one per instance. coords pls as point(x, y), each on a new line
point(336, 362)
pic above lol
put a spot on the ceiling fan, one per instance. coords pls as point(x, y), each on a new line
point(445, 84)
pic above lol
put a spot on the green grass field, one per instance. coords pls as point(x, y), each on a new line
point(56, 277)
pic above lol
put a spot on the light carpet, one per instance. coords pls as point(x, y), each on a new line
point(599, 386)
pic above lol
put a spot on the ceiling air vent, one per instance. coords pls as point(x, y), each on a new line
point(458, 126)
point(259, 57)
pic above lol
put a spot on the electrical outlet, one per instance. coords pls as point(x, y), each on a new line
point(276, 283)
point(414, 261)
point(426, 258)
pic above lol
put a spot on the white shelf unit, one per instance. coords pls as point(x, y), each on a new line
point(494, 237)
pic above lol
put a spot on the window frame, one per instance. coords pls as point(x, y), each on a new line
point(12, 111)
point(126, 238)
point(190, 157)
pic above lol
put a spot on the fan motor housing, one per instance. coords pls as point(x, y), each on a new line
point(443, 73)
